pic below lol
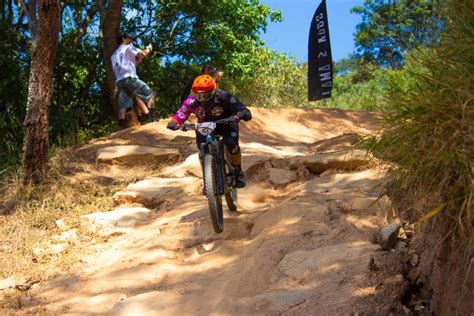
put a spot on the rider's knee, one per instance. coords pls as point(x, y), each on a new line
point(235, 150)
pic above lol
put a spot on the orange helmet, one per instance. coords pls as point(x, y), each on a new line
point(203, 83)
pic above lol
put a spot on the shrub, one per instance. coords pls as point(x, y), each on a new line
point(431, 134)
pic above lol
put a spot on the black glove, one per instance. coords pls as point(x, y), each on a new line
point(172, 125)
point(243, 115)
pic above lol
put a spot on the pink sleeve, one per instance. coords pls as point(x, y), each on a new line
point(185, 109)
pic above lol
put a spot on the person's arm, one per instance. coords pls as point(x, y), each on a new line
point(185, 109)
point(239, 110)
point(141, 54)
point(217, 76)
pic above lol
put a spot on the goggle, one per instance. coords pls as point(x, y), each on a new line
point(203, 96)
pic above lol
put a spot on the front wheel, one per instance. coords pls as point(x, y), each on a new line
point(212, 194)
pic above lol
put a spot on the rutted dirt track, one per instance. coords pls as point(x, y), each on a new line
point(301, 243)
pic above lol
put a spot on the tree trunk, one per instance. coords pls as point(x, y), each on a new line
point(2, 10)
point(43, 52)
point(111, 17)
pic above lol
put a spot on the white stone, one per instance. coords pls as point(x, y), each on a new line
point(120, 217)
point(26, 300)
point(7, 283)
point(281, 176)
point(151, 303)
point(133, 155)
point(58, 248)
point(388, 236)
point(296, 264)
point(344, 160)
point(61, 225)
point(280, 300)
point(70, 235)
point(191, 166)
point(153, 191)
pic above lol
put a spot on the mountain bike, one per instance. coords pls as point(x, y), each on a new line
point(218, 172)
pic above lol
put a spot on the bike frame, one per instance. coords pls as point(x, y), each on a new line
point(214, 145)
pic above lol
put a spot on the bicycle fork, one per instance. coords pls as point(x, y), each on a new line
point(213, 147)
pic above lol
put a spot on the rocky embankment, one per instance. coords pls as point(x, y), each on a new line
point(313, 234)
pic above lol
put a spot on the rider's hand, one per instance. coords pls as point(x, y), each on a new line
point(149, 47)
point(172, 125)
point(238, 116)
point(243, 115)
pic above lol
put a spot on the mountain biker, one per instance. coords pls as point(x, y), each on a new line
point(210, 104)
point(124, 61)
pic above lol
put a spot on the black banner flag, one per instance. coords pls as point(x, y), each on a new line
point(320, 68)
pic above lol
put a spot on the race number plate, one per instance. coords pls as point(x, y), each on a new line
point(206, 128)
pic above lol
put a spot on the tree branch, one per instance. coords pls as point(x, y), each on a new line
point(31, 16)
point(102, 13)
point(148, 26)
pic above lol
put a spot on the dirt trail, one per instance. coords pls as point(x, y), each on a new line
point(301, 243)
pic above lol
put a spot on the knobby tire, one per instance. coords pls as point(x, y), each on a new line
point(230, 192)
point(231, 199)
point(213, 197)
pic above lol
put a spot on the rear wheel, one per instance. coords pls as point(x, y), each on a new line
point(231, 199)
point(231, 190)
point(212, 194)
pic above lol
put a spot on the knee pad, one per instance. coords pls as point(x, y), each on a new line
point(235, 150)
point(235, 156)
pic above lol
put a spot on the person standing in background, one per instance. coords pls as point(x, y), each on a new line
point(124, 61)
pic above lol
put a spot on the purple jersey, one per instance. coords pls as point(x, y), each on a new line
point(189, 105)
point(221, 105)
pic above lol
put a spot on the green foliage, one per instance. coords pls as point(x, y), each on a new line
point(277, 81)
point(226, 32)
point(391, 28)
point(77, 107)
point(358, 85)
point(431, 137)
point(281, 82)
point(185, 34)
point(168, 80)
point(13, 93)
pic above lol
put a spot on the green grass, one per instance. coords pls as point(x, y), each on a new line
point(430, 130)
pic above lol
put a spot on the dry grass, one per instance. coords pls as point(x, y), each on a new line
point(28, 230)
point(431, 134)
point(431, 140)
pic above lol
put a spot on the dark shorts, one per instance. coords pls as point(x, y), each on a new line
point(130, 87)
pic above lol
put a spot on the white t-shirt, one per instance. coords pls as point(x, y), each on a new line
point(124, 61)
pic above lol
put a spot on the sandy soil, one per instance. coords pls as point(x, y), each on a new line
point(300, 244)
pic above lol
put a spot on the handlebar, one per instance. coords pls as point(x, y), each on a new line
point(186, 127)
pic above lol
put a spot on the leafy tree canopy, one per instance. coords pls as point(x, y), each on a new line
point(390, 28)
point(184, 33)
point(224, 31)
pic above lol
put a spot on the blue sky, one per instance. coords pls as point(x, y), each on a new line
point(291, 35)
